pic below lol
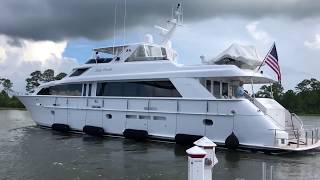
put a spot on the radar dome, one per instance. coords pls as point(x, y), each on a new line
point(148, 38)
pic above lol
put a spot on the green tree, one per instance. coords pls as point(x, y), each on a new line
point(37, 77)
point(265, 91)
point(7, 84)
point(5, 100)
point(33, 81)
point(48, 75)
point(308, 85)
point(314, 84)
point(60, 76)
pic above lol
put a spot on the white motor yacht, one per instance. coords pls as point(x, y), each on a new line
point(140, 91)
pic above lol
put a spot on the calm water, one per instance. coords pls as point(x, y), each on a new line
point(29, 152)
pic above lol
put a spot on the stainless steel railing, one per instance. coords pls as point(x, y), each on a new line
point(311, 136)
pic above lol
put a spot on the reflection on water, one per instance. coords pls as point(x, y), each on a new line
point(29, 152)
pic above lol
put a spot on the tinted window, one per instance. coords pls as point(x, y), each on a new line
point(216, 88)
point(225, 89)
point(99, 60)
point(144, 53)
point(84, 93)
point(138, 89)
point(44, 91)
point(62, 90)
point(208, 85)
point(78, 72)
point(89, 91)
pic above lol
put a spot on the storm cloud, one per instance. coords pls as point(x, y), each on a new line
point(94, 19)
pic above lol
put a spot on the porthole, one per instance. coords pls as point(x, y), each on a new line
point(208, 122)
point(131, 116)
point(108, 116)
point(144, 117)
point(160, 118)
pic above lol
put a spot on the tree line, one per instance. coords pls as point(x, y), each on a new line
point(33, 81)
point(5, 100)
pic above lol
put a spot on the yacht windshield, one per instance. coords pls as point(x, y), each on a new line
point(147, 52)
point(100, 58)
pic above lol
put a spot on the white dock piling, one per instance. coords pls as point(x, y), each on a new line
point(210, 159)
point(196, 163)
point(201, 159)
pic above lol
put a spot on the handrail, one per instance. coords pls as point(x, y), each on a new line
point(314, 135)
point(298, 119)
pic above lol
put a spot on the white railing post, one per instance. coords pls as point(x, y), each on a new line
point(306, 138)
point(196, 163)
point(317, 135)
point(312, 136)
point(264, 169)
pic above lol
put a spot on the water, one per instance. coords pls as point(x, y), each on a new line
point(29, 152)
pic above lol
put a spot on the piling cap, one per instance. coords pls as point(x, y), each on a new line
point(205, 142)
point(196, 152)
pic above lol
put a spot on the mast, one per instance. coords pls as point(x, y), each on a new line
point(174, 22)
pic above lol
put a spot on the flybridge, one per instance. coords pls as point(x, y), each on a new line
point(131, 53)
point(145, 51)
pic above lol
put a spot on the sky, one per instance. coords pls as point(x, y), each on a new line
point(59, 34)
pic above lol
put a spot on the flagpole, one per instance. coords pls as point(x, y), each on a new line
point(266, 55)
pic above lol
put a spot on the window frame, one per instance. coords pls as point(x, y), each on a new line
point(138, 89)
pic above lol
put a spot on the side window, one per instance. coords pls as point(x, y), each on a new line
point(78, 72)
point(216, 89)
point(208, 85)
point(44, 91)
point(66, 90)
point(90, 89)
point(84, 90)
point(225, 89)
point(62, 90)
point(138, 89)
point(164, 52)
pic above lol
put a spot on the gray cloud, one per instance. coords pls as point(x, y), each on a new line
point(94, 19)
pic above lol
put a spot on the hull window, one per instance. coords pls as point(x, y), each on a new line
point(137, 89)
point(62, 90)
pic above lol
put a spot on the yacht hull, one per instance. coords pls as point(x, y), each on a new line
point(162, 118)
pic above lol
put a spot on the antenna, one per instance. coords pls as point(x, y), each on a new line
point(114, 26)
point(172, 11)
point(167, 33)
point(124, 24)
point(181, 15)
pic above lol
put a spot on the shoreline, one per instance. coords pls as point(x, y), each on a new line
point(9, 108)
point(308, 114)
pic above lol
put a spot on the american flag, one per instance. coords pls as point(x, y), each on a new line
point(272, 60)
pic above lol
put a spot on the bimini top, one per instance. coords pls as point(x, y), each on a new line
point(245, 57)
